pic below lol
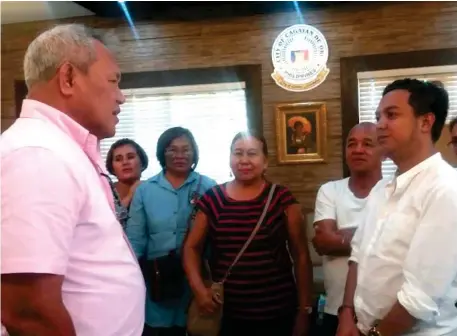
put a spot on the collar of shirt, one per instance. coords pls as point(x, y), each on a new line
point(400, 182)
point(37, 110)
point(82, 137)
point(162, 181)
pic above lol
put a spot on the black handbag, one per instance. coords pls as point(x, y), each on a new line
point(165, 277)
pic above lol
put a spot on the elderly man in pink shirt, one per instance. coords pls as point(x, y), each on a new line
point(67, 268)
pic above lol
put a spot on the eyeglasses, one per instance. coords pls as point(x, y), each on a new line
point(174, 152)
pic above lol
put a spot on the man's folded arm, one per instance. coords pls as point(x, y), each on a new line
point(328, 240)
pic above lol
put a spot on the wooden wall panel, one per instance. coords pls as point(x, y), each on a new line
point(360, 29)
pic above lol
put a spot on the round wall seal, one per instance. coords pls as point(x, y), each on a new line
point(300, 55)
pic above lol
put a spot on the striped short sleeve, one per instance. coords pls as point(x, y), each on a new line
point(285, 197)
point(206, 204)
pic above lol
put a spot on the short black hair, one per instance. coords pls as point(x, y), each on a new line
point(256, 135)
point(144, 160)
point(425, 97)
point(166, 139)
point(452, 124)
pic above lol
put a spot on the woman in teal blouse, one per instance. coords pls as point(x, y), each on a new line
point(159, 219)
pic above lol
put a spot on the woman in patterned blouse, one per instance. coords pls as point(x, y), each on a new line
point(126, 160)
point(262, 293)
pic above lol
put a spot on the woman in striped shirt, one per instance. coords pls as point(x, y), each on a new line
point(261, 294)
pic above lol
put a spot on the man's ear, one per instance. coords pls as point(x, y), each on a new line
point(66, 74)
point(427, 121)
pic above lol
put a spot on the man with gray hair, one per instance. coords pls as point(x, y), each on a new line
point(67, 268)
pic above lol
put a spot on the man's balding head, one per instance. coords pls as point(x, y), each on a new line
point(362, 149)
point(364, 126)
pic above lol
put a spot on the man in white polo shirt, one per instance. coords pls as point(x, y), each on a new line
point(67, 269)
point(339, 205)
point(402, 277)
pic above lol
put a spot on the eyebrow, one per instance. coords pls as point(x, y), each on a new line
point(132, 151)
point(178, 147)
point(387, 108)
point(246, 150)
point(391, 107)
point(352, 139)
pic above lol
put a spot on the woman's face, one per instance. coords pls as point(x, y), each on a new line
point(299, 129)
point(179, 155)
point(247, 160)
point(126, 163)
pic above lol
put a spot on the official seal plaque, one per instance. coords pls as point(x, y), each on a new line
point(300, 55)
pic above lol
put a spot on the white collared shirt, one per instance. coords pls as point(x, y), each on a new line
point(406, 250)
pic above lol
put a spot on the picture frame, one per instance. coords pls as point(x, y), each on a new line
point(301, 132)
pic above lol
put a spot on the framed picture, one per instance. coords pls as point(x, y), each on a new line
point(301, 132)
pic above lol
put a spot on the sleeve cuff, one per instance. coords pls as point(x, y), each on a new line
point(318, 218)
point(354, 253)
point(200, 206)
point(353, 258)
point(38, 266)
point(417, 303)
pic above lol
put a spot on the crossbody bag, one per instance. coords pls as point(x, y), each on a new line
point(199, 324)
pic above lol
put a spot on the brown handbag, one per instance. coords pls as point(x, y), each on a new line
point(199, 324)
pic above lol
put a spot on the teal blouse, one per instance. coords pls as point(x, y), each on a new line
point(158, 224)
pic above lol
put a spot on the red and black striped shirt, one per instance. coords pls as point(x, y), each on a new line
point(261, 285)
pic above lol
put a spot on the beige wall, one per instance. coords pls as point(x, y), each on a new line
point(355, 30)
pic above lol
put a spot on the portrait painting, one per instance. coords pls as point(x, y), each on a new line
point(301, 132)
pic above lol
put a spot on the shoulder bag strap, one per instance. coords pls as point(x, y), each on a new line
point(254, 232)
point(195, 197)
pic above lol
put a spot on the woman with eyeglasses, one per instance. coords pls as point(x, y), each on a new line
point(160, 214)
point(126, 160)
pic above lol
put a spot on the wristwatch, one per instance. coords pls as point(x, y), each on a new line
point(374, 332)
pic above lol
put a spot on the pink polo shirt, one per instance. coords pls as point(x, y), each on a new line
point(57, 217)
